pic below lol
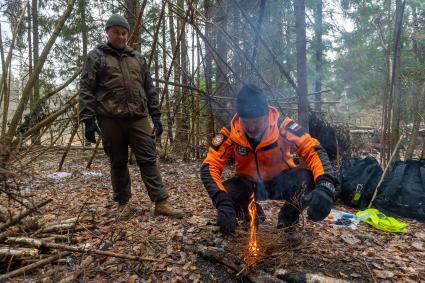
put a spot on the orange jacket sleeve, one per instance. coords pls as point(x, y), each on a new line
point(219, 152)
point(307, 148)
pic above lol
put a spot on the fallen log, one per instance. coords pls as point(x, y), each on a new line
point(21, 216)
point(234, 262)
point(291, 276)
point(32, 266)
point(84, 249)
point(58, 227)
point(18, 252)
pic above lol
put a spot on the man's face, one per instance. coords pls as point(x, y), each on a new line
point(254, 127)
point(117, 36)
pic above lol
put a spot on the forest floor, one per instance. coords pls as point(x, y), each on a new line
point(360, 255)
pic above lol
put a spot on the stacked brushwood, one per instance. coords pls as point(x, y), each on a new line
point(26, 244)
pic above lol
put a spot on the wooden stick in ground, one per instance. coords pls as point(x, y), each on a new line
point(68, 146)
point(41, 244)
point(33, 266)
point(385, 172)
point(18, 218)
point(94, 153)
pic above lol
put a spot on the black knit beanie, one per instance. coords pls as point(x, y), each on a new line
point(251, 102)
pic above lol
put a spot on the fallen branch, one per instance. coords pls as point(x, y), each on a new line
point(43, 245)
point(18, 218)
point(18, 252)
point(234, 262)
point(291, 276)
point(33, 266)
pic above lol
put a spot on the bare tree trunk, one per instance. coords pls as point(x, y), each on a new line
point(30, 51)
point(318, 30)
point(208, 64)
point(259, 23)
point(3, 87)
point(132, 8)
point(173, 41)
point(220, 18)
point(167, 95)
point(396, 79)
point(300, 26)
point(183, 116)
point(418, 115)
point(36, 47)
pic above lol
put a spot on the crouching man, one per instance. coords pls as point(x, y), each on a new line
point(260, 141)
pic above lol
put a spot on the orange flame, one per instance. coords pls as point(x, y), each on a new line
point(253, 248)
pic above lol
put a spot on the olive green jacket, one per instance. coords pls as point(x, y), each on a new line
point(117, 84)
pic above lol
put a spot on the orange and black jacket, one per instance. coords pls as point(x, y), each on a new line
point(270, 157)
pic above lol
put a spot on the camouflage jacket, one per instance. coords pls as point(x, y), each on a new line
point(117, 84)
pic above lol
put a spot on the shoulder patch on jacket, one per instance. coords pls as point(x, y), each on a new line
point(295, 128)
point(217, 140)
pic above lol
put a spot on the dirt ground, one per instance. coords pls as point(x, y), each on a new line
point(368, 255)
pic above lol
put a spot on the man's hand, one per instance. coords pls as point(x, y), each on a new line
point(91, 129)
point(320, 200)
point(226, 214)
point(157, 125)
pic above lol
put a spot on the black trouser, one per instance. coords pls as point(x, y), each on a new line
point(290, 185)
point(117, 136)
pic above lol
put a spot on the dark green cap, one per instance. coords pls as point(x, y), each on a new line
point(117, 20)
point(251, 102)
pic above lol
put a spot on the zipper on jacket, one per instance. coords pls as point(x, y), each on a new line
point(257, 166)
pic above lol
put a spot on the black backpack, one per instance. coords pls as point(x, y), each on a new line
point(358, 179)
point(403, 190)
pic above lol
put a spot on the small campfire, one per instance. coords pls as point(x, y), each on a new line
point(253, 248)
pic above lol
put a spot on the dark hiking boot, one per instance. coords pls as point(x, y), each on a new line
point(125, 211)
point(163, 207)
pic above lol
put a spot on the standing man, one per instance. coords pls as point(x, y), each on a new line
point(116, 89)
point(260, 140)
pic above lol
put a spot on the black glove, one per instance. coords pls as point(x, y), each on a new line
point(91, 129)
point(226, 214)
point(157, 125)
point(320, 200)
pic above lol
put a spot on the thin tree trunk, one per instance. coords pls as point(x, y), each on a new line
point(396, 79)
point(259, 23)
point(132, 8)
point(30, 50)
point(183, 115)
point(208, 65)
point(318, 30)
point(300, 26)
point(167, 95)
point(220, 19)
point(36, 47)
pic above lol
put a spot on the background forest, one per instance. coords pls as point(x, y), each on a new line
point(357, 63)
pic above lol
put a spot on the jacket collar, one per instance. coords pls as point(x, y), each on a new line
point(109, 49)
point(269, 137)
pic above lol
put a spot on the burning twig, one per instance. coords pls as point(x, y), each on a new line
point(253, 248)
